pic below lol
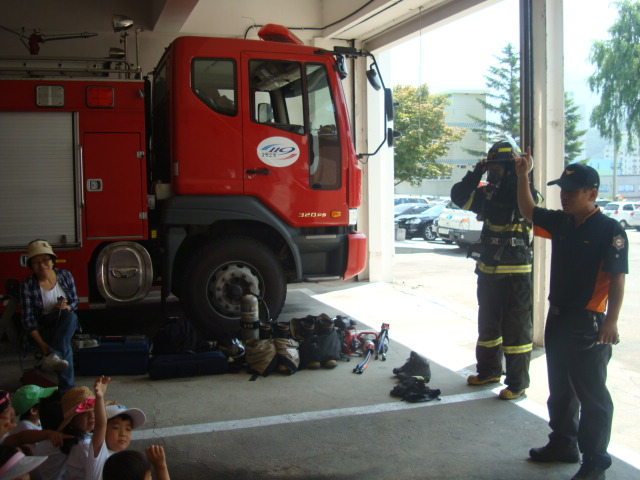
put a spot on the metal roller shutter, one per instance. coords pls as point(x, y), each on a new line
point(37, 193)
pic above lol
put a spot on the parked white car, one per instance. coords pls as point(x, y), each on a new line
point(459, 226)
point(626, 213)
point(401, 199)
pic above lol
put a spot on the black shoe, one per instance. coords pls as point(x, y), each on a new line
point(589, 471)
point(555, 453)
point(415, 366)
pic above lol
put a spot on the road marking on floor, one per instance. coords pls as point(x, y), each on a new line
point(290, 418)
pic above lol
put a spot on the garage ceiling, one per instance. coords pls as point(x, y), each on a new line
point(347, 19)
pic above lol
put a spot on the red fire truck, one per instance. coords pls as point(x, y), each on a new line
point(232, 171)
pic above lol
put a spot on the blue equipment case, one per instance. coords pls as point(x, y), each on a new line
point(117, 355)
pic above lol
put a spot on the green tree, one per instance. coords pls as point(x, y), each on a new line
point(572, 136)
point(503, 99)
point(420, 117)
point(617, 62)
point(503, 82)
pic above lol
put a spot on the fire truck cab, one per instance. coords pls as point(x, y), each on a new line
point(231, 171)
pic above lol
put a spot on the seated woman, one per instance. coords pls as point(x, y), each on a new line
point(49, 299)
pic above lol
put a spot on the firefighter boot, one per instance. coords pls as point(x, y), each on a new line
point(330, 343)
point(478, 380)
point(323, 324)
point(282, 330)
point(266, 331)
point(308, 324)
point(415, 366)
point(310, 353)
point(511, 394)
point(302, 328)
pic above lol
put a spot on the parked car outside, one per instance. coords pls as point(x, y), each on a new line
point(400, 199)
point(409, 208)
point(634, 221)
point(622, 211)
point(459, 226)
point(420, 225)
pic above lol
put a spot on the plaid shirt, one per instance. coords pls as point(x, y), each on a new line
point(32, 306)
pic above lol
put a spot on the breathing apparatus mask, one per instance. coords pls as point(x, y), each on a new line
point(501, 154)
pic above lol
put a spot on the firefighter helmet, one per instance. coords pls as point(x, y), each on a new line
point(503, 151)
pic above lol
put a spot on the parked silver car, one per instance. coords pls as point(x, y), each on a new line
point(626, 213)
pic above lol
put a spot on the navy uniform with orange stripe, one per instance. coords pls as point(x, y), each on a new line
point(584, 259)
point(503, 265)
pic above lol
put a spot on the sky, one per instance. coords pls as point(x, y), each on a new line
point(456, 56)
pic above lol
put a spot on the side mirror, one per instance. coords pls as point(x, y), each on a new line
point(391, 136)
point(374, 80)
point(341, 67)
point(265, 113)
point(388, 104)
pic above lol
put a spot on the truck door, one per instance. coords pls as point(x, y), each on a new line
point(113, 185)
point(292, 153)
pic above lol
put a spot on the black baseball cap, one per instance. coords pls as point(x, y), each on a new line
point(577, 175)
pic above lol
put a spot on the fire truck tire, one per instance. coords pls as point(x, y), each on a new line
point(222, 272)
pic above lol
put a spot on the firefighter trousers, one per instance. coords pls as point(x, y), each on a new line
point(580, 406)
point(505, 328)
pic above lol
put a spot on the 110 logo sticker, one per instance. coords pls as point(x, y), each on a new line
point(278, 152)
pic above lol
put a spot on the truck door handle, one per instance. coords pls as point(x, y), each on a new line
point(264, 171)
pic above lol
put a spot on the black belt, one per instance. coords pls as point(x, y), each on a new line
point(558, 310)
point(514, 242)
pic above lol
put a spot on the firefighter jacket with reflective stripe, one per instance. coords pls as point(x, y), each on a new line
point(504, 247)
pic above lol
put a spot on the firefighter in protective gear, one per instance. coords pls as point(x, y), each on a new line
point(503, 265)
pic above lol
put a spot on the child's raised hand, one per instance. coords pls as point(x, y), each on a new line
point(100, 387)
point(155, 454)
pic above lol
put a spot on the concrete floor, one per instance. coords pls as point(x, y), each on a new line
point(334, 424)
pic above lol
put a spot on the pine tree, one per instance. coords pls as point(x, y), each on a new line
point(572, 136)
point(503, 82)
point(503, 99)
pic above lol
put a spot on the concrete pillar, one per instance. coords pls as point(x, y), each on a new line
point(376, 212)
point(548, 134)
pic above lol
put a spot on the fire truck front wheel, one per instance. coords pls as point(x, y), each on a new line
point(221, 273)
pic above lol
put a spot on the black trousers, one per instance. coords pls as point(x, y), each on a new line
point(580, 406)
point(505, 328)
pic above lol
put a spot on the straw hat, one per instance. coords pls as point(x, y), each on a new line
point(77, 400)
point(38, 247)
